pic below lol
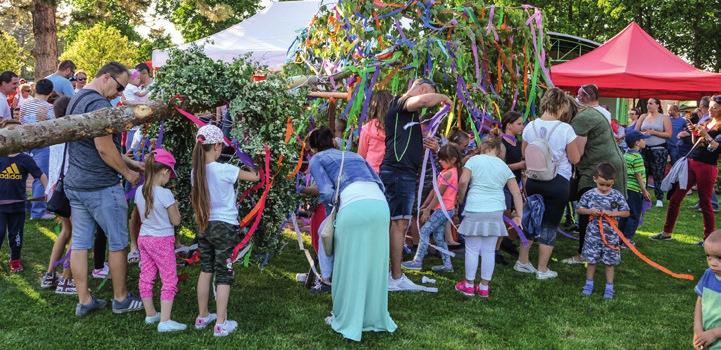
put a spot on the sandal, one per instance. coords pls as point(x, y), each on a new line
point(133, 257)
point(661, 237)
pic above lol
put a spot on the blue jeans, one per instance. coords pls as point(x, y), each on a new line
point(436, 226)
point(675, 153)
point(629, 225)
point(106, 208)
point(41, 156)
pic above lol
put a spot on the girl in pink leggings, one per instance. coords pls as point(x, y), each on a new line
point(158, 215)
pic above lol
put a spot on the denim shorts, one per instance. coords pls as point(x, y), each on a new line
point(400, 193)
point(106, 208)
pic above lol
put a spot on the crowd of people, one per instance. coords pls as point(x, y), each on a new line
point(513, 184)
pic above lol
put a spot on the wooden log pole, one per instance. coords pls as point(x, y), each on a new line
point(21, 138)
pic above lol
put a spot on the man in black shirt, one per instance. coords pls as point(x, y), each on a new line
point(401, 165)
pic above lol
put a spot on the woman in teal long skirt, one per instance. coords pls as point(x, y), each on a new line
point(360, 242)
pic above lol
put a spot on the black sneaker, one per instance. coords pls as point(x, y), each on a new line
point(660, 237)
point(84, 309)
point(130, 304)
point(49, 280)
point(320, 288)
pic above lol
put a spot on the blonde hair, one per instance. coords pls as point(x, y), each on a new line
point(557, 102)
point(151, 170)
point(199, 194)
point(492, 142)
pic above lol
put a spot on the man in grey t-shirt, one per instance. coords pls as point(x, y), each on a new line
point(92, 184)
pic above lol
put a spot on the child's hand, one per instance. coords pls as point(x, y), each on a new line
point(424, 215)
point(517, 219)
point(646, 195)
point(704, 339)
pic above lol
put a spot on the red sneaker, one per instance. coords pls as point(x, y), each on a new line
point(465, 288)
point(483, 293)
point(16, 266)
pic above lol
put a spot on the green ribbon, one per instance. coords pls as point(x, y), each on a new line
point(475, 131)
point(534, 83)
point(246, 258)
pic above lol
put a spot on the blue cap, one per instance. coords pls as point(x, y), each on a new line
point(634, 135)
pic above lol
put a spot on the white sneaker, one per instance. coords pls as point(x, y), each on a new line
point(524, 268)
point(202, 322)
point(171, 326)
point(574, 260)
point(227, 327)
point(102, 273)
point(402, 284)
point(546, 275)
point(152, 319)
point(659, 204)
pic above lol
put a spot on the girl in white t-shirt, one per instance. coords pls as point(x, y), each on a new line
point(213, 198)
point(482, 223)
point(158, 216)
point(556, 107)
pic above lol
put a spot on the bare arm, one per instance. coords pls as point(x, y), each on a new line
point(251, 176)
point(44, 180)
point(432, 198)
point(416, 103)
point(517, 199)
point(588, 211)
point(575, 149)
point(518, 166)
point(620, 214)
point(463, 185)
point(697, 322)
point(174, 214)
point(110, 155)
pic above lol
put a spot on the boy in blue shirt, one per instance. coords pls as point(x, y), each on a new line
point(707, 317)
point(14, 170)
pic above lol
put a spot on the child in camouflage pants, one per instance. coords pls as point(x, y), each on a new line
point(602, 247)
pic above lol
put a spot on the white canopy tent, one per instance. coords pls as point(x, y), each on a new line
point(266, 35)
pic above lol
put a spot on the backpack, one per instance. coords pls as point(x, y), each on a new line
point(540, 164)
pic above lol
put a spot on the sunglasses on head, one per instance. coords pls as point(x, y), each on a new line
point(81, 79)
point(120, 87)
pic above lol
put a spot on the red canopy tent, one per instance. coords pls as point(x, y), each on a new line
point(633, 65)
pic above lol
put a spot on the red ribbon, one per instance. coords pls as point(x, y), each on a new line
point(257, 210)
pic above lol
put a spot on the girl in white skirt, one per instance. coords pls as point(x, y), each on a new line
point(482, 223)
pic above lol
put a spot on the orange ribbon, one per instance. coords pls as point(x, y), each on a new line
point(612, 222)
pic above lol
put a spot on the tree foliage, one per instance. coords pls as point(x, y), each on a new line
point(686, 27)
point(12, 56)
point(259, 112)
point(17, 22)
point(198, 19)
point(98, 45)
point(121, 14)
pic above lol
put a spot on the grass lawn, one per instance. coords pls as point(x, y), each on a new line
point(652, 310)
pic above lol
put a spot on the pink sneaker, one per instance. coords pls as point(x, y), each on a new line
point(465, 288)
point(483, 293)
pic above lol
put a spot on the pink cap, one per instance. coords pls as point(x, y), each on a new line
point(166, 158)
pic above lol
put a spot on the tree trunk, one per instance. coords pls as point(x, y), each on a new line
point(45, 51)
point(20, 138)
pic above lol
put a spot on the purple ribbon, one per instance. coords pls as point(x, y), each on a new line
point(65, 258)
point(566, 234)
point(245, 158)
point(518, 230)
point(368, 94)
point(161, 135)
point(646, 206)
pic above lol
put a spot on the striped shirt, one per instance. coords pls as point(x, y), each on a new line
point(30, 110)
point(634, 165)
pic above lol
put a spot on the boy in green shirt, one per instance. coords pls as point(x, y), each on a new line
point(635, 182)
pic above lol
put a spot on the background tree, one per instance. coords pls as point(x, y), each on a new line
point(157, 39)
point(198, 19)
point(124, 15)
point(17, 22)
point(12, 56)
point(99, 44)
point(45, 50)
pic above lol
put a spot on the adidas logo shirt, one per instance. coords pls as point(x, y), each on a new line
point(14, 172)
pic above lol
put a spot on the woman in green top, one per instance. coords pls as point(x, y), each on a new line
point(597, 145)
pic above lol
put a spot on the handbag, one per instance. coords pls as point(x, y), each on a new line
point(59, 203)
point(327, 227)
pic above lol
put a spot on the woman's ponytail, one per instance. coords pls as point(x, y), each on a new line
point(199, 193)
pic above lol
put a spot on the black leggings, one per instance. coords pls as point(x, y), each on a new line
point(12, 224)
point(555, 196)
point(101, 244)
point(582, 222)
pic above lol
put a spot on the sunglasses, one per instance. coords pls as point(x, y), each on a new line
point(80, 79)
point(120, 87)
